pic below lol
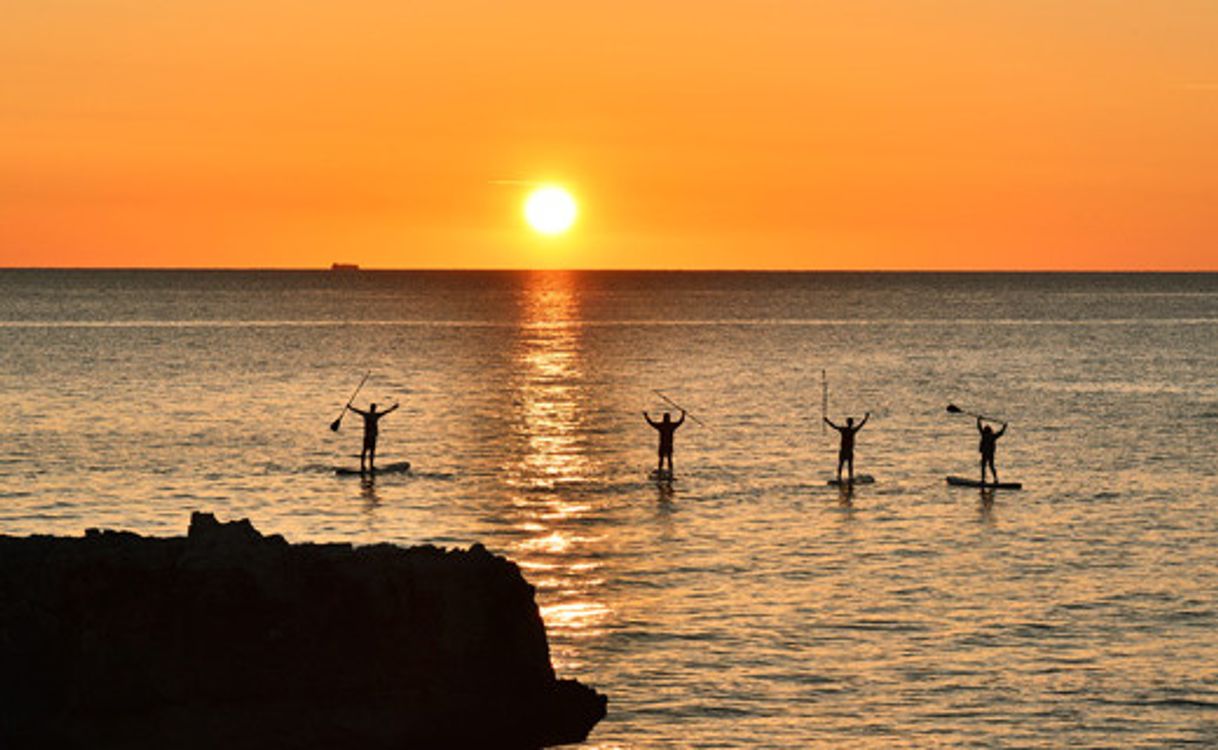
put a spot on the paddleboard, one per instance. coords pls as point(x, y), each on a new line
point(394, 468)
point(962, 482)
point(661, 476)
point(858, 479)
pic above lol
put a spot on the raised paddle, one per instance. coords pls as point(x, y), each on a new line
point(675, 405)
point(824, 399)
point(953, 409)
point(338, 422)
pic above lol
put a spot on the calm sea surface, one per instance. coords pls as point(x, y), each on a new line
point(751, 605)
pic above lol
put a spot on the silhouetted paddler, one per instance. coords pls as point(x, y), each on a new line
point(371, 428)
point(666, 427)
point(989, 442)
point(845, 453)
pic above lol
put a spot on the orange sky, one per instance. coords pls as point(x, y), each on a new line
point(1055, 134)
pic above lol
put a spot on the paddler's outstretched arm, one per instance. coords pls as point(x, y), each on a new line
point(680, 421)
point(1000, 432)
point(830, 423)
point(860, 424)
point(390, 409)
point(653, 424)
point(360, 412)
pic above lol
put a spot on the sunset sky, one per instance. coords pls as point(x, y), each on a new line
point(869, 134)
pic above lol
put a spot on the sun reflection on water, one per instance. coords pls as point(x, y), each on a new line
point(558, 547)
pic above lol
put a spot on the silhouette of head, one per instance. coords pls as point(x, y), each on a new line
point(371, 407)
point(849, 421)
point(667, 417)
point(988, 430)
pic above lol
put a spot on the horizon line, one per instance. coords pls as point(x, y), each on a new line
point(515, 269)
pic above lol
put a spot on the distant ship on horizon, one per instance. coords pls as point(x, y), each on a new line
point(344, 266)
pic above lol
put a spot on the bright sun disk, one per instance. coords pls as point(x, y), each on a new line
point(550, 210)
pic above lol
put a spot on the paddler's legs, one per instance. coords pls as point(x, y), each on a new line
point(369, 453)
point(665, 455)
point(372, 456)
point(990, 461)
point(850, 463)
point(660, 463)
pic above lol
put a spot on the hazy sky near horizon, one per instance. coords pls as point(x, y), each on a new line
point(894, 134)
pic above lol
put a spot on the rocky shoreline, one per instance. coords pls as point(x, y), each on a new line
point(228, 638)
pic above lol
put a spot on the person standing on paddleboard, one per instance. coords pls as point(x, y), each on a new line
point(989, 442)
point(371, 427)
point(845, 453)
point(666, 427)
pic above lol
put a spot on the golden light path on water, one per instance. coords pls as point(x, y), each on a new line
point(558, 549)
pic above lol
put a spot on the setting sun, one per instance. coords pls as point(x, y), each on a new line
point(550, 210)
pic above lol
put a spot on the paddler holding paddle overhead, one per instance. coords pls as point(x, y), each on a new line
point(666, 427)
point(845, 453)
point(372, 417)
point(989, 442)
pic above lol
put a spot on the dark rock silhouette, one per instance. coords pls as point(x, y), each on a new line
point(231, 639)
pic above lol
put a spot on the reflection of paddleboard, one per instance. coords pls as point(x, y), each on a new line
point(858, 479)
point(394, 468)
point(661, 476)
point(962, 482)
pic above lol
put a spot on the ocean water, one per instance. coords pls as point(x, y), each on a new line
point(750, 605)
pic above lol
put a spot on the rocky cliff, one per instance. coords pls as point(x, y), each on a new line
point(230, 639)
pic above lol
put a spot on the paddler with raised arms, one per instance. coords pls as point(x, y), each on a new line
point(372, 419)
point(666, 427)
point(845, 452)
point(988, 446)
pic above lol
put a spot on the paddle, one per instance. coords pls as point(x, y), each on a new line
point(675, 405)
point(336, 423)
point(953, 409)
point(824, 399)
